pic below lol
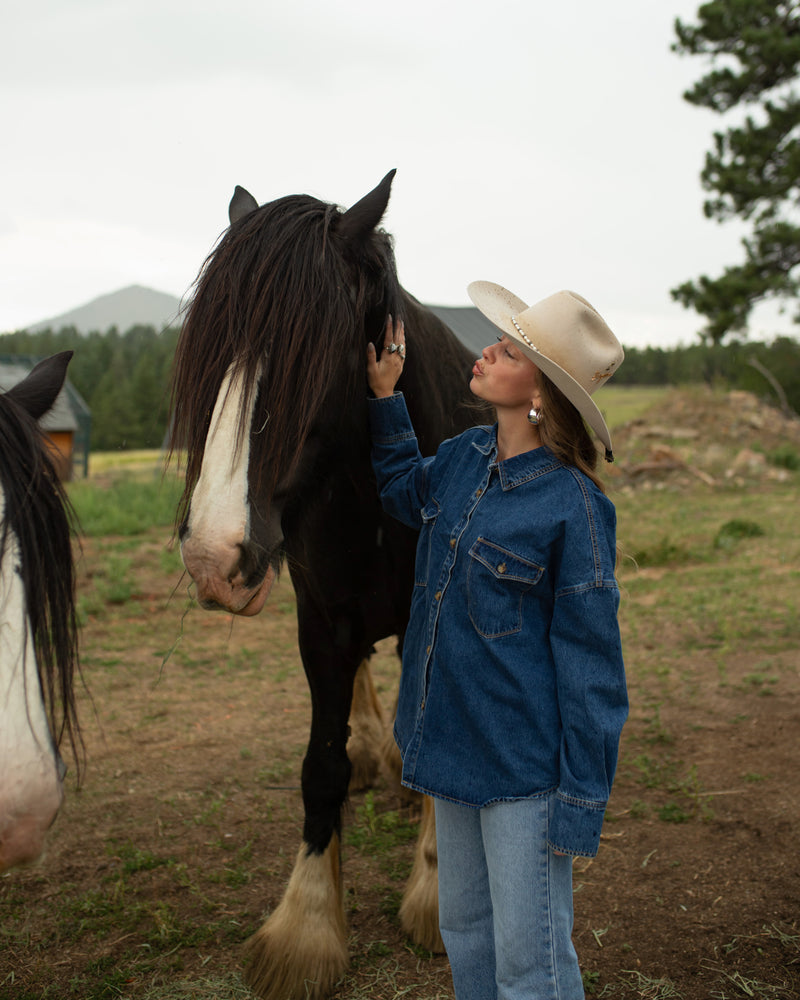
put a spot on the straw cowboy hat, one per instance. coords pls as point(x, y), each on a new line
point(565, 337)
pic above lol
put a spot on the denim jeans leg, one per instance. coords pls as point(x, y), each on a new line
point(465, 906)
point(532, 904)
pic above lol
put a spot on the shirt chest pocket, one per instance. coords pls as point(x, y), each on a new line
point(497, 582)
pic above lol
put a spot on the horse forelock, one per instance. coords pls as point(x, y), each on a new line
point(36, 510)
point(284, 299)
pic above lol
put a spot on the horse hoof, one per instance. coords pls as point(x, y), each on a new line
point(300, 953)
point(419, 915)
point(293, 970)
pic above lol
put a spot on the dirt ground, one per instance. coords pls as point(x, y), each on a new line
point(189, 818)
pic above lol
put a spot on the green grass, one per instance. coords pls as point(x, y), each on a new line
point(621, 404)
point(126, 506)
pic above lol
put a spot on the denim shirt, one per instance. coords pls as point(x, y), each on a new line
point(513, 684)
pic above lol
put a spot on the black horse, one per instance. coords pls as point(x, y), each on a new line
point(269, 401)
point(38, 632)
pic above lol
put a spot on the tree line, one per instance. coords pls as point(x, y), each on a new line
point(124, 377)
point(771, 370)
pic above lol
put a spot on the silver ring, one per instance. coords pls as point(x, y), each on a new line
point(402, 350)
point(392, 348)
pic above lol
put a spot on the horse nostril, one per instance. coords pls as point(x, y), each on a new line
point(211, 605)
point(253, 563)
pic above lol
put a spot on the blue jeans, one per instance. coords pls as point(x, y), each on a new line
point(505, 903)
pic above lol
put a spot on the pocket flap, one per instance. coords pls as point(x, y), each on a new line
point(505, 565)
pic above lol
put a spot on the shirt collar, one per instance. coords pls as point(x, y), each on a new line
point(520, 468)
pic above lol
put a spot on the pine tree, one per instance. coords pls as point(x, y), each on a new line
point(753, 170)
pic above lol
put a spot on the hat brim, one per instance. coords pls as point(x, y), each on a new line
point(499, 306)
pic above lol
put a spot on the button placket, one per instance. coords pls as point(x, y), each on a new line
point(447, 572)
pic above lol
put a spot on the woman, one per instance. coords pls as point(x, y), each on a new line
point(512, 695)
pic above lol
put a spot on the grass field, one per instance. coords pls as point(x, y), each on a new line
point(186, 828)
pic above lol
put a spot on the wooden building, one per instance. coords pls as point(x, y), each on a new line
point(67, 425)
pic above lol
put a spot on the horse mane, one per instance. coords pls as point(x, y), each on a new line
point(39, 513)
point(286, 295)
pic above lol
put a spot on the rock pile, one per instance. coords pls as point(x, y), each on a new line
point(699, 435)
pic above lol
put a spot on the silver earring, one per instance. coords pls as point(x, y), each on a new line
point(534, 416)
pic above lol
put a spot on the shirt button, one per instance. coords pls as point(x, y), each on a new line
point(437, 596)
point(478, 493)
point(501, 568)
point(452, 543)
point(422, 705)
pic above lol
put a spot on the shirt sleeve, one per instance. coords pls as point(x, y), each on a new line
point(400, 470)
point(593, 703)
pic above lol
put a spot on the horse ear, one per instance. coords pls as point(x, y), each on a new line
point(365, 215)
point(242, 204)
point(37, 392)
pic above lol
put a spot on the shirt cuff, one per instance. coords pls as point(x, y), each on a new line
point(576, 826)
point(388, 419)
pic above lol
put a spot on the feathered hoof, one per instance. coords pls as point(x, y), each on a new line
point(419, 914)
point(300, 953)
point(307, 967)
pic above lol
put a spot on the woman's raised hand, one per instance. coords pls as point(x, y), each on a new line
point(383, 372)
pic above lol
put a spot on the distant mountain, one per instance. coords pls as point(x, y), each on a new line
point(138, 306)
point(133, 306)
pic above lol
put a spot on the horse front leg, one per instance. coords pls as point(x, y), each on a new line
point(419, 910)
point(300, 953)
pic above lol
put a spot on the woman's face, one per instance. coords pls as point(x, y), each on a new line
point(504, 376)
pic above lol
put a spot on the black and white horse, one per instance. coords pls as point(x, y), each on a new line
point(38, 635)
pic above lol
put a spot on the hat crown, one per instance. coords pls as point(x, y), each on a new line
point(568, 330)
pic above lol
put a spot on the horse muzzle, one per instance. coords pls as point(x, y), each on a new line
point(237, 600)
point(228, 578)
point(26, 818)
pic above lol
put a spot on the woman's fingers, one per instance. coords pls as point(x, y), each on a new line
point(384, 371)
point(388, 336)
point(394, 337)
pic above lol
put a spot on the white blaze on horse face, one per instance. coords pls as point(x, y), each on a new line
point(30, 780)
point(218, 526)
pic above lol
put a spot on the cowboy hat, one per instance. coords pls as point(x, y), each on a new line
point(564, 336)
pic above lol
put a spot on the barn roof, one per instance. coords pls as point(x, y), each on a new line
point(469, 324)
point(60, 418)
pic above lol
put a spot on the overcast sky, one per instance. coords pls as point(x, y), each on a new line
point(539, 144)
